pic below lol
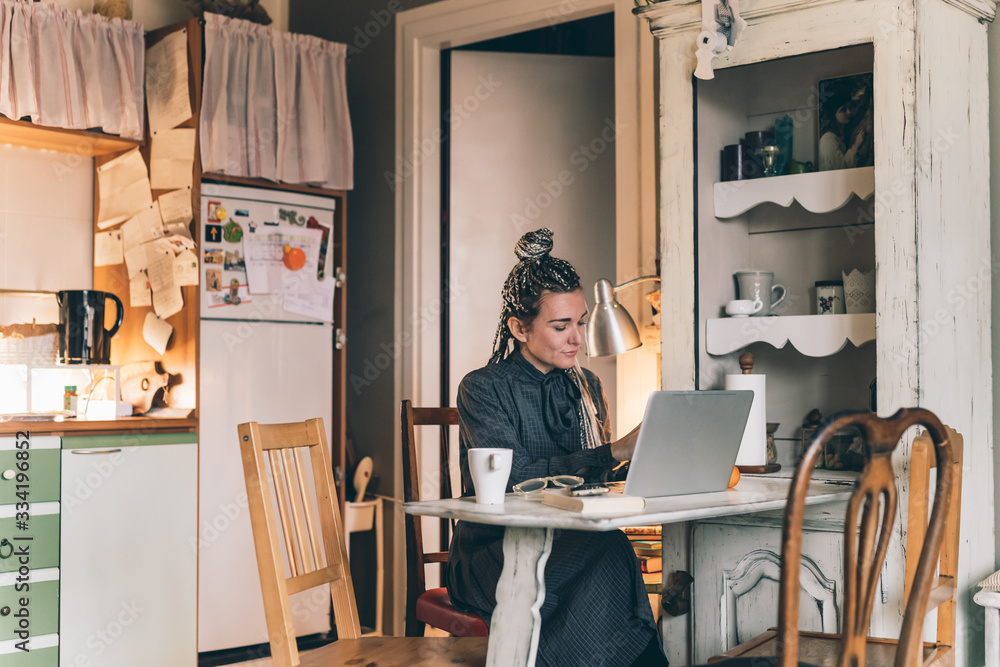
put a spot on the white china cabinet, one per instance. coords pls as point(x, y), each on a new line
point(921, 220)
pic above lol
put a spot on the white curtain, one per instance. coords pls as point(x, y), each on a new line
point(274, 106)
point(62, 68)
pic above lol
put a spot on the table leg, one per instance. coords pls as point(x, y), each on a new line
point(513, 633)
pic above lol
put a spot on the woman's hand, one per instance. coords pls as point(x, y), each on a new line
point(623, 449)
point(859, 138)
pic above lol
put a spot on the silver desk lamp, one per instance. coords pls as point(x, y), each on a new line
point(610, 329)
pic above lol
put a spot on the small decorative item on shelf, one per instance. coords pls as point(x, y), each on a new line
point(796, 167)
point(829, 297)
point(250, 10)
point(734, 162)
point(769, 159)
point(783, 140)
point(754, 141)
point(772, 450)
point(859, 291)
point(810, 424)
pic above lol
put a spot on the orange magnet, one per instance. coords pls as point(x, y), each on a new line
point(294, 258)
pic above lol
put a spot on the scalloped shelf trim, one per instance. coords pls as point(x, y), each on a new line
point(817, 192)
point(812, 335)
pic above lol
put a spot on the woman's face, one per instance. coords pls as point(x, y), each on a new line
point(554, 337)
point(844, 114)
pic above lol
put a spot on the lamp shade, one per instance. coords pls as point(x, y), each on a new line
point(610, 329)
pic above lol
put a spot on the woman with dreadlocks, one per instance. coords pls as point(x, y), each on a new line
point(534, 398)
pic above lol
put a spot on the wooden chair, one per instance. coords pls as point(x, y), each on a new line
point(310, 545)
point(430, 607)
point(868, 528)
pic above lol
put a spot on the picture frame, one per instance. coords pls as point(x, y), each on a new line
point(846, 122)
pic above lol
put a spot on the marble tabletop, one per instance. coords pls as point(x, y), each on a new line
point(752, 494)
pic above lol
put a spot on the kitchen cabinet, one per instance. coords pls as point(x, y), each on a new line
point(29, 595)
point(736, 581)
point(129, 550)
point(926, 229)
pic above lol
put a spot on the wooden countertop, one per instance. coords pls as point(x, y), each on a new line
point(99, 427)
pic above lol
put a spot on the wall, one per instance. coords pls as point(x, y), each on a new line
point(46, 229)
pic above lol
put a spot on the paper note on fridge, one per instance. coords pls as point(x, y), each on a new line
point(296, 279)
point(124, 186)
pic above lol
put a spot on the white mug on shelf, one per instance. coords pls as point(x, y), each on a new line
point(757, 287)
point(743, 307)
point(490, 468)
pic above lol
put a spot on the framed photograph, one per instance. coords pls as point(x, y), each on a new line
point(846, 122)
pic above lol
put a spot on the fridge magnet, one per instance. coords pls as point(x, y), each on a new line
point(313, 223)
point(233, 298)
point(210, 212)
point(220, 213)
point(846, 122)
point(232, 232)
point(292, 217)
point(252, 226)
point(215, 256)
point(241, 213)
point(213, 280)
point(293, 258)
point(213, 233)
point(234, 261)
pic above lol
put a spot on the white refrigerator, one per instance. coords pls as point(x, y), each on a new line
point(265, 355)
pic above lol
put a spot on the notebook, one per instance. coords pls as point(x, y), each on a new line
point(688, 442)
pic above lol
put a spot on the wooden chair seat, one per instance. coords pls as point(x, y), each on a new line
point(436, 610)
point(399, 652)
point(815, 650)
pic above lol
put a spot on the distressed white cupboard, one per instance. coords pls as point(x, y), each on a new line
point(927, 235)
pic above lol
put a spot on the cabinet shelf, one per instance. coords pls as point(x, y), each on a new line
point(812, 335)
point(85, 143)
point(817, 192)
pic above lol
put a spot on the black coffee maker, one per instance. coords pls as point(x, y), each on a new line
point(82, 336)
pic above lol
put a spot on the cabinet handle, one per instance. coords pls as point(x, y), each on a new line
point(8, 474)
point(95, 451)
point(4, 611)
point(6, 543)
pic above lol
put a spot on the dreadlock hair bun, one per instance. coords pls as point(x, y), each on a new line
point(535, 273)
point(534, 245)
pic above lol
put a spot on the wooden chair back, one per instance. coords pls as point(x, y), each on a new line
point(411, 417)
point(311, 539)
point(868, 529)
point(944, 589)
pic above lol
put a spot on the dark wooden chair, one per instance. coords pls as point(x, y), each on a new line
point(430, 607)
point(289, 480)
point(868, 528)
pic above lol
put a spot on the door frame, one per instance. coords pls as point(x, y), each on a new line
point(421, 34)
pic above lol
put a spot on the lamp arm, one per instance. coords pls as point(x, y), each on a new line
point(641, 279)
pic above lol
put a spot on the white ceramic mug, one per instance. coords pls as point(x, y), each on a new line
point(490, 468)
point(757, 287)
point(743, 307)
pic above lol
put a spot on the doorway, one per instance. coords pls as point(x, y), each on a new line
point(529, 135)
point(422, 34)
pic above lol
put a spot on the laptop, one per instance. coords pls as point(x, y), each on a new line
point(688, 442)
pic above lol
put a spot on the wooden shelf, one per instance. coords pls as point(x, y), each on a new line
point(812, 335)
point(818, 192)
point(85, 143)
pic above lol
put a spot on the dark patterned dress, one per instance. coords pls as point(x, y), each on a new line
point(596, 610)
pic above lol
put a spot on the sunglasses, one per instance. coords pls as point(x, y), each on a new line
point(532, 488)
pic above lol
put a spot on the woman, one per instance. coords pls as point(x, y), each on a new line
point(534, 398)
point(835, 126)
